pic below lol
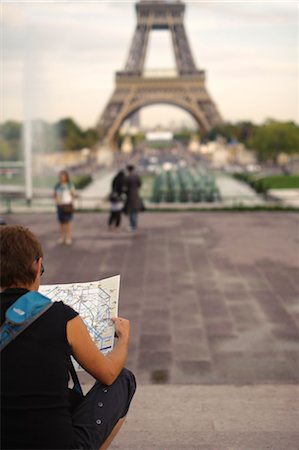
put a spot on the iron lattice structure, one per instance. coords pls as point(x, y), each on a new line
point(133, 91)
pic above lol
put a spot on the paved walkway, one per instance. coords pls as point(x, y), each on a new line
point(212, 297)
point(288, 197)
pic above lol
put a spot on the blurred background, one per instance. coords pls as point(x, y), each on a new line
point(59, 64)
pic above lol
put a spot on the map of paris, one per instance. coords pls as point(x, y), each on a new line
point(95, 301)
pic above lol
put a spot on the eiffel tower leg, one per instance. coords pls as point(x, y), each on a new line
point(136, 57)
point(183, 55)
point(113, 115)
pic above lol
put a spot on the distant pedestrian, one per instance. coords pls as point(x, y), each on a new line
point(116, 210)
point(116, 200)
point(133, 204)
point(118, 182)
point(64, 194)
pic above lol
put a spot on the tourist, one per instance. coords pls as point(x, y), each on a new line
point(35, 402)
point(64, 194)
point(116, 201)
point(116, 208)
point(118, 182)
point(133, 204)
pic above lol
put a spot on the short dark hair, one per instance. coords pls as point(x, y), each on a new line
point(19, 248)
point(130, 168)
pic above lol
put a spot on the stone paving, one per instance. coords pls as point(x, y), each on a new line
point(288, 197)
point(212, 297)
point(176, 417)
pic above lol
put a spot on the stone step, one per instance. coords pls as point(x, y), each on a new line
point(212, 418)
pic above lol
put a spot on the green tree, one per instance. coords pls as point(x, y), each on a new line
point(65, 134)
point(273, 138)
point(6, 152)
point(11, 130)
point(183, 135)
point(138, 138)
point(69, 134)
point(240, 131)
point(10, 140)
point(90, 137)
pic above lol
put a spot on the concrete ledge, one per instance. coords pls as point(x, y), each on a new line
point(212, 418)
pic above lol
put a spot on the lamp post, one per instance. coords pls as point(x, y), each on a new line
point(28, 158)
point(28, 94)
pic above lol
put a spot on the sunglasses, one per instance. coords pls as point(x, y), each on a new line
point(42, 269)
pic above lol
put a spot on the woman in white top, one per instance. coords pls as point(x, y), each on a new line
point(64, 193)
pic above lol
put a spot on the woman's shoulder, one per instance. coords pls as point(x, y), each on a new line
point(67, 311)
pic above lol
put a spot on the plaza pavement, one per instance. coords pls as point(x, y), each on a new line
point(213, 303)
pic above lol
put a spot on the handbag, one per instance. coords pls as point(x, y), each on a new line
point(67, 209)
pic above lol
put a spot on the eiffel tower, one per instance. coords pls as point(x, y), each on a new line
point(133, 90)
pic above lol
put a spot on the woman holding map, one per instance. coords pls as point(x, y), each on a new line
point(36, 408)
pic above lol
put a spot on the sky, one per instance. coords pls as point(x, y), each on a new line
point(59, 58)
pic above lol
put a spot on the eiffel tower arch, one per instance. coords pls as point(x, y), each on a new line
point(134, 91)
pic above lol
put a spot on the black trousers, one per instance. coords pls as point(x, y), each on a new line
point(100, 410)
point(115, 218)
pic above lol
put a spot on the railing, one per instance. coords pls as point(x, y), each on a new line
point(18, 204)
point(11, 164)
point(161, 73)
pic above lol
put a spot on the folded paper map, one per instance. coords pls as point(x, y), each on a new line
point(95, 301)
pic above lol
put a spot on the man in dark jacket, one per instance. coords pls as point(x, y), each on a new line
point(133, 203)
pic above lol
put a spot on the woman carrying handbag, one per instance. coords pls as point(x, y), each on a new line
point(64, 194)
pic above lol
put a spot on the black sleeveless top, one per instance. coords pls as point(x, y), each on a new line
point(34, 381)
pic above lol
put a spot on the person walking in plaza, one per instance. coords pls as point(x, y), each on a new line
point(116, 209)
point(133, 204)
point(118, 182)
point(64, 194)
point(116, 200)
point(36, 407)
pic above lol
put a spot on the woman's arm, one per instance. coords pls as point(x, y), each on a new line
point(104, 368)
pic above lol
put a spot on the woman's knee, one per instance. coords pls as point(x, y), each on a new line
point(127, 379)
point(127, 376)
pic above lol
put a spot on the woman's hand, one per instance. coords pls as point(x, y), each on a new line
point(122, 328)
point(104, 368)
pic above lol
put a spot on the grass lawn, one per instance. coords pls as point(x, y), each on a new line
point(281, 182)
point(263, 184)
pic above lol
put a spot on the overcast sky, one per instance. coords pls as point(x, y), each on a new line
point(59, 58)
